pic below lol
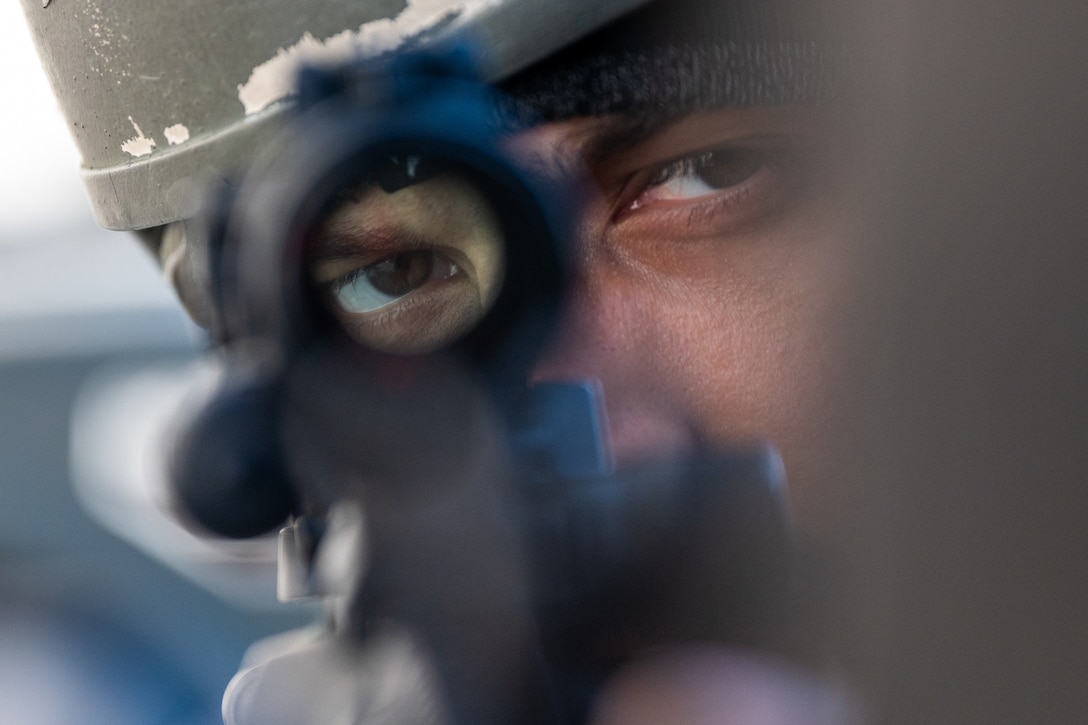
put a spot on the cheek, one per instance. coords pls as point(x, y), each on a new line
point(715, 342)
point(752, 358)
point(746, 340)
point(749, 321)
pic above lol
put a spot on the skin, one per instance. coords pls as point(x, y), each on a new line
point(450, 225)
point(702, 302)
point(710, 686)
point(707, 312)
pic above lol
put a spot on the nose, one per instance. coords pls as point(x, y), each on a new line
point(610, 332)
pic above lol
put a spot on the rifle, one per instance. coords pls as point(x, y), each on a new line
point(384, 280)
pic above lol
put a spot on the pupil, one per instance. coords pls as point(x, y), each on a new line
point(728, 168)
point(399, 275)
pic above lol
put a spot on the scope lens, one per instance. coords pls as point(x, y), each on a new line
point(411, 258)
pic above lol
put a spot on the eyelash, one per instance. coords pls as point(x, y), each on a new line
point(424, 318)
point(689, 164)
point(399, 303)
point(722, 207)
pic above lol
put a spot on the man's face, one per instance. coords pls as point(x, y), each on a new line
point(708, 282)
point(707, 276)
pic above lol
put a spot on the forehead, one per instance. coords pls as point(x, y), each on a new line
point(623, 139)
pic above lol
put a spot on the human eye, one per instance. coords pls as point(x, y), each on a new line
point(408, 302)
point(372, 287)
point(701, 175)
point(410, 271)
point(710, 191)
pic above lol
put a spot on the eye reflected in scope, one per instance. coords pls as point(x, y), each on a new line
point(411, 259)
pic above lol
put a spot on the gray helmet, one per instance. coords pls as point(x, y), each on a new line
point(159, 94)
point(164, 98)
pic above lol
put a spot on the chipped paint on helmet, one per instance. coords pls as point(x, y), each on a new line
point(138, 145)
point(176, 134)
point(274, 79)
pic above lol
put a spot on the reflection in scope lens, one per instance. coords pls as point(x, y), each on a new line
point(409, 266)
point(368, 288)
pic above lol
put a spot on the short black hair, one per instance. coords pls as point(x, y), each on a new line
point(671, 57)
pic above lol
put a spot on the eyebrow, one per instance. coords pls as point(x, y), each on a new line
point(337, 244)
point(622, 133)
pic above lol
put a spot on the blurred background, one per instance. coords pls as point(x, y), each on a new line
point(965, 556)
point(92, 629)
